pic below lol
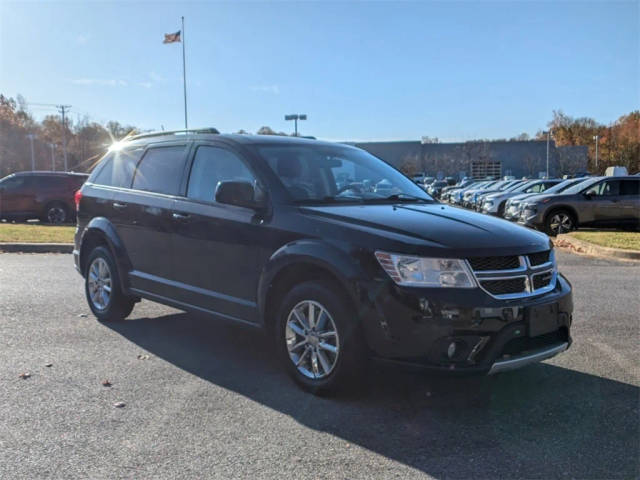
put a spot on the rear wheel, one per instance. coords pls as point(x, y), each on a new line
point(56, 213)
point(102, 287)
point(559, 221)
point(318, 339)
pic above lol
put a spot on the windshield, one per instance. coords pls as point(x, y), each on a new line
point(562, 186)
point(577, 188)
point(330, 173)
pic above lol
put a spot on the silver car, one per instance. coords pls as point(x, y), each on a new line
point(494, 204)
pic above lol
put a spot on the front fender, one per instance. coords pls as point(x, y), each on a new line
point(334, 260)
point(103, 228)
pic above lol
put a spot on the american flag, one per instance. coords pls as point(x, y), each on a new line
point(172, 37)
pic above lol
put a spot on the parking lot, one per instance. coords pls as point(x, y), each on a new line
point(211, 401)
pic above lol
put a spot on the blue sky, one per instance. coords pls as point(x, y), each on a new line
point(360, 70)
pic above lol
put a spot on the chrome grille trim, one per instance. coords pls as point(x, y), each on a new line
point(526, 271)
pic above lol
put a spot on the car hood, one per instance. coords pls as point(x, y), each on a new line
point(522, 196)
point(434, 225)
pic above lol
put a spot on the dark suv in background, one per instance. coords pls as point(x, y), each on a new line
point(47, 196)
point(257, 230)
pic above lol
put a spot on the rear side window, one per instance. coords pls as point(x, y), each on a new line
point(606, 189)
point(211, 166)
point(160, 170)
point(630, 187)
point(117, 168)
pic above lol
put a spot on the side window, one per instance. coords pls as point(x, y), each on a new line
point(14, 183)
point(160, 170)
point(535, 188)
point(630, 187)
point(607, 188)
point(118, 168)
point(211, 166)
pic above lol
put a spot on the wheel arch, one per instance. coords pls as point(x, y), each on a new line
point(101, 231)
point(557, 208)
point(303, 261)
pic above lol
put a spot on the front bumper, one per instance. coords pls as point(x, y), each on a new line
point(415, 327)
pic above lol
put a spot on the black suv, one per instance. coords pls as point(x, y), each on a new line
point(256, 230)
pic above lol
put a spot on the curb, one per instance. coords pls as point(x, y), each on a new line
point(36, 247)
point(580, 246)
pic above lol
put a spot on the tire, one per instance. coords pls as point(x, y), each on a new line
point(333, 372)
point(559, 221)
point(56, 213)
point(101, 271)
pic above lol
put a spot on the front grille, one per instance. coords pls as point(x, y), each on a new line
point(479, 264)
point(538, 258)
point(542, 280)
point(504, 286)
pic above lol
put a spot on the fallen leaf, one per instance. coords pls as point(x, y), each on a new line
point(24, 375)
point(48, 364)
point(119, 404)
point(106, 383)
point(82, 315)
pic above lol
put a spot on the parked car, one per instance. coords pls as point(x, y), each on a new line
point(465, 201)
point(494, 203)
point(473, 201)
point(253, 230)
point(47, 196)
point(513, 206)
point(597, 202)
point(436, 187)
point(456, 196)
point(448, 190)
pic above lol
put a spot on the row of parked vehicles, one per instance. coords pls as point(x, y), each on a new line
point(553, 205)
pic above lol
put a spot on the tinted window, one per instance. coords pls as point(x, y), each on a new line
point(14, 183)
point(160, 170)
point(118, 168)
point(630, 187)
point(211, 166)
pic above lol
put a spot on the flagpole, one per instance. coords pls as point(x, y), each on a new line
point(184, 78)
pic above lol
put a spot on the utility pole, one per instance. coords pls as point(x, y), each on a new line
point(63, 110)
point(595, 137)
point(31, 136)
point(52, 146)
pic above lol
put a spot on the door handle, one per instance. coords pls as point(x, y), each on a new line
point(119, 206)
point(180, 216)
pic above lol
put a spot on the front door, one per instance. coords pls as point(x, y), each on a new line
point(217, 245)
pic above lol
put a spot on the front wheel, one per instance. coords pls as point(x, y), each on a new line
point(102, 287)
point(318, 339)
point(558, 222)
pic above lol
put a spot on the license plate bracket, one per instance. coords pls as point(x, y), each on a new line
point(542, 319)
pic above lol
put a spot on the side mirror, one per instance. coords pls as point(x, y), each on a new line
point(238, 193)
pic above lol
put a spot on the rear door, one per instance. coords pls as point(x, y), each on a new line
point(16, 195)
point(217, 245)
point(142, 216)
point(630, 201)
point(605, 202)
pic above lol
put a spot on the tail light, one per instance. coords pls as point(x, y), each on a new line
point(76, 198)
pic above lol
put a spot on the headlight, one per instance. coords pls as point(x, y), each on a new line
point(488, 203)
point(426, 272)
point(531, 207)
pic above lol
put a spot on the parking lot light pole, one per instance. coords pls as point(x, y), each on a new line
point(295, 117)
point(595, 137)
point(31, 136)
point(548, 134)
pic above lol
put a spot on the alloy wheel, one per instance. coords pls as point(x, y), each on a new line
point(56, 215)
point(312, 339)
point(561, 223)
point(99, 281)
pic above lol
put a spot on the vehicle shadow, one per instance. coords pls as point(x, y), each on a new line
point(540, 422)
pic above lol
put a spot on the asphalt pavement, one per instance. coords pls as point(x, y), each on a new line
point(207, 400)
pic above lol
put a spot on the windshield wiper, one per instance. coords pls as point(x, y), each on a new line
point(407, 198)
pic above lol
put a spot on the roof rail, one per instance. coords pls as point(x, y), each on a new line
point(173, 132)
